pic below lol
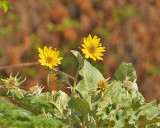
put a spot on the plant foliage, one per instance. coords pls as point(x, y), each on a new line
point(120, 105)
point(5, 5)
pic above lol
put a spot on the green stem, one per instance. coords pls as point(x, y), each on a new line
point(83, 123)
point(97, 118)
point(72, 117)
point(48, 80)
point(91, 118)
point(20, 93)
point(97, 121)
point(76, 77)
point(58, 109)
point(44, 113)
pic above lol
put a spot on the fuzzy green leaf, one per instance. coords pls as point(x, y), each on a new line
point(117, 108)
point(47, 100)
point(151, 110)
point(149, 113)
point(58, 99)
point(77, 55)
point(91, 76)
point(79, 104)
point(143, 121)
point(126, 72)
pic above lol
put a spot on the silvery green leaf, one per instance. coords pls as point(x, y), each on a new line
point(126, 72)
point(91, 76)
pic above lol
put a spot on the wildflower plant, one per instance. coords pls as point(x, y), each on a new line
point(11, 86)
point(95, 102)
point(49, 58)
point(12, 82)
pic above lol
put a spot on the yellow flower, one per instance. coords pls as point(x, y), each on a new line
point(9, 82)
point(32, 89)
point(58, 75)
point(92, 48)
point(105, 96)
point(103, 84)
point(127, 82)
point(48, 57)
point(35, 89)
point(12, 82)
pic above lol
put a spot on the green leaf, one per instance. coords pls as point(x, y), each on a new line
point(5, 5)
point(6, 104)
point(143, 121)
point(91, 77)
point(60, 77)
point(137, 102)
point(151, 110)
point(65, 79)
point(79, 104)
point(149, 114)
point(77, 55)
point(19, 118)
point(118, 107)
point(126, 72)
point(127, 125)
point(14, 93)
point(119, 124)
point(58, 99)
point(12, 116)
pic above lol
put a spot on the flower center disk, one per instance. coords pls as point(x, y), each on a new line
point(10, 82)
point(49, 59)
point(92, 49)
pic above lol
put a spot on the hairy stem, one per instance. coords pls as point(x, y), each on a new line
point(76, 77)
point(48, 80)
point(97, 122)
point(84, 120)
point(44, 113)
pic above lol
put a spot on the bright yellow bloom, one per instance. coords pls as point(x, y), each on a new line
point(92, 48)
point(103, 84)
point(10, 82)
point(48, 57)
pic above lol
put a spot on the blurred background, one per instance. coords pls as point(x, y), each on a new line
point(129, 29)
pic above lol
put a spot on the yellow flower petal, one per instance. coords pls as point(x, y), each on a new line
point(103, 84)
point(92, 48)
point(48, 57)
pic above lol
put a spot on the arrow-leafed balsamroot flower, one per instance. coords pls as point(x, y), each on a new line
point(92, 48)
point(103, 84)
point(12, 82)
point(35, 90)
point(9, 82)
point(48, 57)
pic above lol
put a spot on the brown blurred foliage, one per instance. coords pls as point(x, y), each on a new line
point(129, 29)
